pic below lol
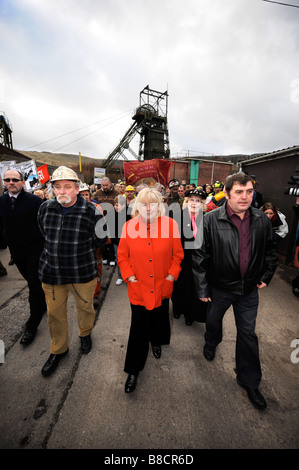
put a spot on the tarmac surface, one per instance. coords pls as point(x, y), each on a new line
point(182, 402)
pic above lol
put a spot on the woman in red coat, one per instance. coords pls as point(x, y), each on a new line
point(149, 256)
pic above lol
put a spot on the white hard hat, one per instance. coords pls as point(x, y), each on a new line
point(64, 173)
point(83, 187)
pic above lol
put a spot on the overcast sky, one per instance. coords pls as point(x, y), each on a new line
point(75, 68)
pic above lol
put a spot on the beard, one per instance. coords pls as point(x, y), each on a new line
point(63, 199)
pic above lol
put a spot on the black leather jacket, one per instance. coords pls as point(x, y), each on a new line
point(216, 262)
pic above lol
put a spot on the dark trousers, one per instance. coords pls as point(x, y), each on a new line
point(185, 300)
point(28, 267)
point(147, 326)
point(108, 252)
point(245, 311)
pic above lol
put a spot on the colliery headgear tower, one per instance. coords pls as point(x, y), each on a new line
point(150, 122)
point(5, 131)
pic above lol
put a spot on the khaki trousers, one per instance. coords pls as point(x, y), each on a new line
point(56, 298)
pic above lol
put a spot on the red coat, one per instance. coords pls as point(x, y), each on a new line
point(150, 252)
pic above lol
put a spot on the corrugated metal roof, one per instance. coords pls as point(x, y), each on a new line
point(284, 153)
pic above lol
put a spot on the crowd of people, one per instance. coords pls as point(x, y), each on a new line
point(188, 243)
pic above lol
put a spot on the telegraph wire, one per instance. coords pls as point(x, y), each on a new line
point(280, 3)
point(84, 127)
point(92, 132)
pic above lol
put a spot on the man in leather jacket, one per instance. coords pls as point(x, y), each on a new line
point(237, 257)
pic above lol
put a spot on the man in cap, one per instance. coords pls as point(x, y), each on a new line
point(72, 228)
point(130, 194)
point(105, 196)
point(218, 187)
point(122, 185)
point(18, 213)
point(174, 201)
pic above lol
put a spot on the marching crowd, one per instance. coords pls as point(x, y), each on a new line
point(205, 248)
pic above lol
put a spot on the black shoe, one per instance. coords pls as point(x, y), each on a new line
point(254, 396)
point(209, 352)
point(176, 315)
point(157, 351)
point(11, 262)
point(131, 383)
point(27, 337)
point(296, 291)
point(52, 363)
point(86, 344)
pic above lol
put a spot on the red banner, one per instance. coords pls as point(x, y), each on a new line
point(158, 169)
point(43, 174)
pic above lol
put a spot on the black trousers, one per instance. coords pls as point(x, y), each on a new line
point(108, 252)
point(185, 300)
point(245, 311)
point(147, 326)
point(28, 267)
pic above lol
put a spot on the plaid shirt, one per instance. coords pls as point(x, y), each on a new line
point(71, 239)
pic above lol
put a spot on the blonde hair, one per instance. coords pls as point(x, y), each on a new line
point(185, 203)
point(40, 193)
point(147, 196)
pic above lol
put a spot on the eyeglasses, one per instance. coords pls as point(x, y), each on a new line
point(14, 180)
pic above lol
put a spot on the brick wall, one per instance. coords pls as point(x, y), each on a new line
point(180, 171)
point(207, 171)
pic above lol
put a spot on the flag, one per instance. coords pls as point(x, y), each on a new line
point(158, 169)
point(43, 174)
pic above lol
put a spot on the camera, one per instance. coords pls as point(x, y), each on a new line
point(293, 191)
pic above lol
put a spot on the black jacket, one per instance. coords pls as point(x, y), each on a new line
point(20, 227)
point(216, 262)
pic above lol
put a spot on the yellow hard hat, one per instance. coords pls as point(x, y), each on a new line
point(64, 173)
point(130, 188)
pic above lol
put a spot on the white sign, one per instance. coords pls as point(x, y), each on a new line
point(99, 173)
point(30, 174)
point(28, 170)
point(50, 191)
point(4, 166)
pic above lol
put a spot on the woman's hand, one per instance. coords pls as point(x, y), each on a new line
point(132, 279)
point(169, 277)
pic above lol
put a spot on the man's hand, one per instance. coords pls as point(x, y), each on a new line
point(205, 299)
point(261, 285)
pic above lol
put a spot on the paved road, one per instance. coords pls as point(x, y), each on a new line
point(182, 402)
